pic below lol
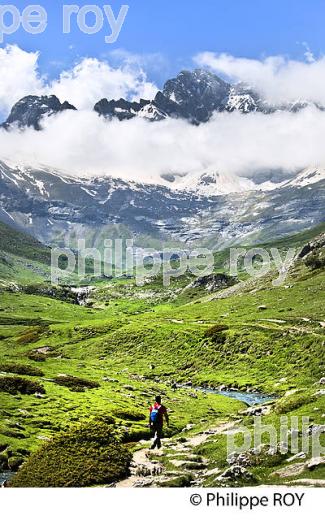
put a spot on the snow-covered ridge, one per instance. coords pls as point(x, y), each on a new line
point(206, 183)
point(212, 183)
point(306, 177)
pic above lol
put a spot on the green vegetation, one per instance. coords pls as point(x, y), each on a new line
point(76, 384)
point(18, 368)
point(22, 245)
point(111, 357)
point(88, 454)
point(14, 385)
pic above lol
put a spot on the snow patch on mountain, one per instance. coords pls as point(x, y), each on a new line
point(152, 113)
point(212, 183)
point(244, 103)
point(306, 178)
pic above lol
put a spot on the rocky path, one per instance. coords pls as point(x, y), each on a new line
point(148, 472)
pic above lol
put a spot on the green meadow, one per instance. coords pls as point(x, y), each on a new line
point(76, 381)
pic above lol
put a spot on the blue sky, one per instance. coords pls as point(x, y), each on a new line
point(179, 29)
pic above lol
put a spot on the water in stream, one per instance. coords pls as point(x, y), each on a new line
point(5, 476)
point(250, 398)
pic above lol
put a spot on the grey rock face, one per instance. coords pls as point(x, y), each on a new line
point(192, 95)
point(29, 111)
point(197, 94)
point(51, 206)
point(121, 108)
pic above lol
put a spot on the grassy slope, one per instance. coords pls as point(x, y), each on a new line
point(133, 354)
point(23, 259)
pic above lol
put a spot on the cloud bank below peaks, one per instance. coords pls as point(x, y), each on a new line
point(86, 145)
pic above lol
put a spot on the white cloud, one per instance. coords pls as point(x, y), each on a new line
point(92, 79)
point(84, 144)
point(277, 78)
point(82, 85)
point(19, 76)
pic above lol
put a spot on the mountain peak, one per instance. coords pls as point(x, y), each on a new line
point(199, 93)
point(29, 111)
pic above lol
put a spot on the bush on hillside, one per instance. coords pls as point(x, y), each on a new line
point(214, 330)
point(30, 336)
point(37, 356)
point(315, 261)
point(89, 454)
point(216, 334)
point(20, 369)
point(15, 385)
point(75, 384)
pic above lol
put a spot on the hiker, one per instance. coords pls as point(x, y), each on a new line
point(156, 421)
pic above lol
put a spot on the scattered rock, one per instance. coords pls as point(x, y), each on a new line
point(291, 471)
point(212, 472)
point(301, 455)
point(316, 463)
point(129, 387)
point(256, 411)
point(213, 282)
point(316, 429)
point(240, 459)
point(236, 473)
point(188, 427)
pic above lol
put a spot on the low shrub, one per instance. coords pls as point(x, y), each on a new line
point(37, 356)
point(14, 434)
point(137, 434)
point(23, 370)
point(14, 385)
point(30, 336)
point(315, 261)
point(215, 330)
point(89, 454)
point(75, 384)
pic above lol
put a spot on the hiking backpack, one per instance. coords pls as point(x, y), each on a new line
point(154, 415)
